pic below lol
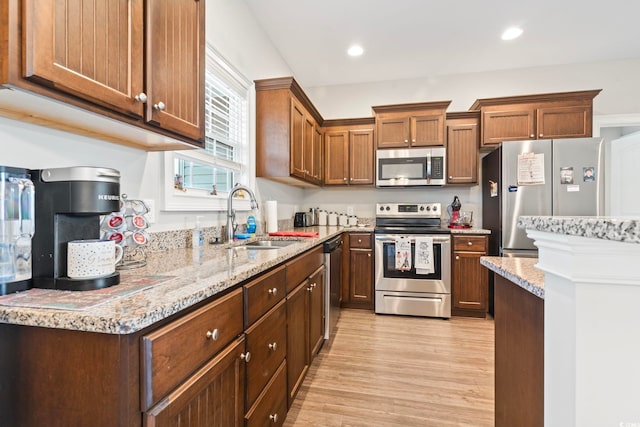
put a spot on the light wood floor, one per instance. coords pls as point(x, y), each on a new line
point(384, 371)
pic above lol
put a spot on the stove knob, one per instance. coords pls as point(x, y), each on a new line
point(422, 208)
point(428, 208)
point(388, 208)
point(381, 208)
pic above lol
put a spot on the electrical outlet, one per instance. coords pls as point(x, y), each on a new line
point(349, 210)
point(151, 215)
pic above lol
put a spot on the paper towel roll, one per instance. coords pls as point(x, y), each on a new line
point(271, 207)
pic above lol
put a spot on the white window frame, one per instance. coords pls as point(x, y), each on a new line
point(202, 200)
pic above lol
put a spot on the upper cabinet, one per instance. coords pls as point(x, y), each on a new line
point(289, 135)
point(411, 125)
point(463, 136)
point(349, 152)
point(542, 116)
point(139, 62)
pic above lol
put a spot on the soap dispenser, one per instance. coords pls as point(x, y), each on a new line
point(197, 236)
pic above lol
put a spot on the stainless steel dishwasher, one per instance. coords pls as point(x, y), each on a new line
point(332, 284)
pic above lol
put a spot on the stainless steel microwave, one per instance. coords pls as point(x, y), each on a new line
point(411, 167)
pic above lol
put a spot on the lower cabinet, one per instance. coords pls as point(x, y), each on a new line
point(271, 407)
point(357, 271)
point(469, 279)
point(213, 396)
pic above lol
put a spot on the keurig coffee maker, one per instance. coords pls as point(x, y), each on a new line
point(68, 205)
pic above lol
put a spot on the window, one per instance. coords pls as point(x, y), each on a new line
point(199, 179)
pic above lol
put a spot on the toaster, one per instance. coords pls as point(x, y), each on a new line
point(303, 219)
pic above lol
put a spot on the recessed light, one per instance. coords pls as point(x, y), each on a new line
point(512, 33)
point(355, 50)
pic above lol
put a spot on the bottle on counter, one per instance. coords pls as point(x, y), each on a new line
point(197, 235)
point(353, 221)
point(332, 218)
point(322, 217)
point(343, 220)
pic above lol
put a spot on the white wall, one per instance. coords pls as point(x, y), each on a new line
point(623, 179)
point(233, 32)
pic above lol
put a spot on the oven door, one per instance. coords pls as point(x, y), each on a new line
point(387, 278)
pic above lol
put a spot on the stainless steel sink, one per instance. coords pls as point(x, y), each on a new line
point(269, 244)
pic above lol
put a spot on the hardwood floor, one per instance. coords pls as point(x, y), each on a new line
point(384, 371)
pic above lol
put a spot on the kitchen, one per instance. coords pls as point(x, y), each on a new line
point(33, 146)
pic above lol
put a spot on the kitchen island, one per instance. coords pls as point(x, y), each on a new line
point(155, 348)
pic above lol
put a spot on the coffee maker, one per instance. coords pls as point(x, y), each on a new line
point(17, 227)
point(68, 205)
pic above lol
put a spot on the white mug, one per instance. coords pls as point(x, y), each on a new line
point(92, 258)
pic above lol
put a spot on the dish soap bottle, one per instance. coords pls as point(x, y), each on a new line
point(197, 236)
point(251, 225)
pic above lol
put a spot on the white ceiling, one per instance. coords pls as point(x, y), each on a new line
point(406, 39)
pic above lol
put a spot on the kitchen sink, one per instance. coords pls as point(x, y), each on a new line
point(270, 244)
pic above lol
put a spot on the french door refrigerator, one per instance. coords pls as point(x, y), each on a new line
point(562, 177)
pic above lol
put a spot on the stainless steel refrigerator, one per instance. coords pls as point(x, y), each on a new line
point(563, 177)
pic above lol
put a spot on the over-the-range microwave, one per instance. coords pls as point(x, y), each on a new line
point(411, 167)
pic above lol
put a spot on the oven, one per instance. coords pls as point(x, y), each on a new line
point(405, 289)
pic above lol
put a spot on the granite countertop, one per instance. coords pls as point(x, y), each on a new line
point(607, 228)
point(521, 271)
point(469, 231)
point(170, 282)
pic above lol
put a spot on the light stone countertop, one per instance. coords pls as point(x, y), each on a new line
point(607, 228)
point(469, 231)
point(521, 271)
point(195, 275)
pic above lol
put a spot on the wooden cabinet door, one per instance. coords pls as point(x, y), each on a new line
point(336, 157)
point(307, 147)
point(318, 155)
point(297, 338)
point(427, 130)
point(361, 277)
point(175, 43)
point(316, 312)
point(564, 122)
point(462, 154)
point(93, 50)
point(469, 281)
point(297, 139)
point(393, 132)
point(361, 154)
point(212, 397)
point(507, 125)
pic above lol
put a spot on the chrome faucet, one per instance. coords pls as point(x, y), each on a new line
point(231, 213)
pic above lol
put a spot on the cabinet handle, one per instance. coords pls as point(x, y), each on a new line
point(457, 257)
point(313, 285)
point(406, 141)
point(351, 179)
point(310, 289)
point(246, 356)
point(541, 135)
point(273, 346)
point(369, 255)
point(213, 334)
point(273, 291)
point(359, 240)
point(274, 418)
point(344, 179)
point(532, 136)
point(450, 176)
point(413, 140)
point(141, 97)
point(159, 106)
point(469, 244)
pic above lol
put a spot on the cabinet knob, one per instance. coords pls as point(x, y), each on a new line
point(344, 179)
point(457, 257)
point(313, 285)
point(141, 97)
point(246, 356)
point(274, 418)
point(413, 140)
point(273, 291)
point(541, 135)
point(359, 240)
point(159, 106)
point(532, 136)
point(310, 289)
point(369, 255)
point(406, 141)
point(469, 244)
point(351, 179)
point(273, 346)
point(450, 176)
point(213, 334)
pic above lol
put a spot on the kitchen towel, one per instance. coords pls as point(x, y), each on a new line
point(295, 233)
point(424, 255)
point(271, 208)
point(403, 254)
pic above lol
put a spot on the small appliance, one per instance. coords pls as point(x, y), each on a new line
point(303, 219)
point(68, 205)
point(412, 167)
point(17, 227)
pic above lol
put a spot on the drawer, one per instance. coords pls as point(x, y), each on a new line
point(171, 353)
point(303, 267)
point(263, 293)
point(470, 243)
point(360, 240)
point(271, 407)
point(267, 343)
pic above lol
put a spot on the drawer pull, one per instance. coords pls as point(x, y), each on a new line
point(273, 346)
point(359, 240)
point(213, 334)
point(274, 418)
point(457, 257)
point(246, 356)
point(470, 243)
point(273, 291)
point(310, 289)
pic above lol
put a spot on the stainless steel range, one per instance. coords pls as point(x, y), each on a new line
point(412, 260)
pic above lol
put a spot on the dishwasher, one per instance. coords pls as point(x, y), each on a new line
point(332, 284)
